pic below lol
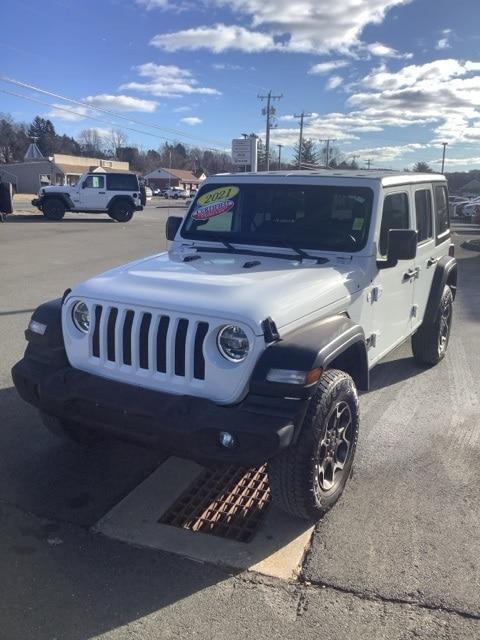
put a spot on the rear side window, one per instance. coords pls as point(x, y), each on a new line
point(423, 210)
point(122, 182)
point(442, 214)
point(395, 216)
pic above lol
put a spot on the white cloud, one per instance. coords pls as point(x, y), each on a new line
point(154, 4)
point(334, 82)
point(225, 66)
point(182, 109)
point(218, 38)
point(327, 67)
point(121, 103)
point(444, 42)
point(383, 51)
point(167, 81)
point(191, 120)
point(388, 153)
point(313, 26)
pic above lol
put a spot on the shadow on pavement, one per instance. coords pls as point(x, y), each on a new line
point(41, 219)
point(57, 479)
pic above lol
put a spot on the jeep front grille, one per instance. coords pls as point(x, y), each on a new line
point(148, 342)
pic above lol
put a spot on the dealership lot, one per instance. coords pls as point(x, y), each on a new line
point(399, 556)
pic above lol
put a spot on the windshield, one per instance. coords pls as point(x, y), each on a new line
point(313, 217)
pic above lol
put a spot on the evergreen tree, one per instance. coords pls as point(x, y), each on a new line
point(310, 154)
point(422, 167)
point(44, 132)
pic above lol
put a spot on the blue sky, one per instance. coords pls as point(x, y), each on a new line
point(388, 79)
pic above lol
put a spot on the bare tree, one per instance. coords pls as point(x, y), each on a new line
point(115, 140)
point(91, 142)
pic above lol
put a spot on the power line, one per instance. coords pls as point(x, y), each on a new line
point(115, 114)
point(269, 112)
point(300, 142)
point(48, 104)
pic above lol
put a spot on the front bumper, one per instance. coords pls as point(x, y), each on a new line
point(37, 202)
point(184, 425)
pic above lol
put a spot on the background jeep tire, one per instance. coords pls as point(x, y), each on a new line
point(72, 431)
point(430, 342)
point(308, 478)
point(53, 209)
point(6, 197)
point(121, 211)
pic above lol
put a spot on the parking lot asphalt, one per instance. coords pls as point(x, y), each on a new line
point(398, 557)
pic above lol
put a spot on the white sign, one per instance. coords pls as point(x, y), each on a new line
point(244, 152)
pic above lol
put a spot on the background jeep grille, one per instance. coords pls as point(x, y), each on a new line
point(154, 343)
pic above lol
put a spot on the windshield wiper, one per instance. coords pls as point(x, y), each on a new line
point(218, 238)
point(301, 252)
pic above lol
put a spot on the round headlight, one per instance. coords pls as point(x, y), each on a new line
point(233, 343)
point(81, 316)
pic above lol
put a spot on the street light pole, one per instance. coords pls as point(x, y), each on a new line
point(444, 144)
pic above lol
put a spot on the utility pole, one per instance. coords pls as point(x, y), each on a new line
point(279, 155)
point(269, 112)
point(300, 141)
point(327, 154)
point(368, 163)
point(444, 144)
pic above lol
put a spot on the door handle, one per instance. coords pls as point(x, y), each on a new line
point(411, 273)
point(102, 193)
point(431, 262)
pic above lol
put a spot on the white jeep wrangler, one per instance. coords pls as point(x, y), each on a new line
point(248, 339)
point(118, 194)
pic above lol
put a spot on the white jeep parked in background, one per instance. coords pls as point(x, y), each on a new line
point(247, 340)
point(117, 194)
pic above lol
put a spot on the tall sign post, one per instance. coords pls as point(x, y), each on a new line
point(245, 152)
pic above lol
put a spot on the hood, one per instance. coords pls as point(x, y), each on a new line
point(55, 188)
point(219, 285)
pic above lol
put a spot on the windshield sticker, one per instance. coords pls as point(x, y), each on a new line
point(212, 210)
point(357, 224)
point(218, 195)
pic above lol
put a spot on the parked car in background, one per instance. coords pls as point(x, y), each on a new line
point(176, 193)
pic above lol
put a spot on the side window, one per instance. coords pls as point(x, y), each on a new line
point(423, 210)
point(442, 215)
point(395, 216)
point(122, 182)
point(94, 182)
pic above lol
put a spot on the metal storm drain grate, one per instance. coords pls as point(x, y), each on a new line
point(228, 502)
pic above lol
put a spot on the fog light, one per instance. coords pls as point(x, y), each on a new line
point(37, 327)
point(226, 440)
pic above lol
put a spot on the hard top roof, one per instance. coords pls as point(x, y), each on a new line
point(387, 178)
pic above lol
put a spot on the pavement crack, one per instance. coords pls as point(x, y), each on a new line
point(378, 597)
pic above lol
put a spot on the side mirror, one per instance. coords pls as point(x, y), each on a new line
point(402, 245)
point(172, 226)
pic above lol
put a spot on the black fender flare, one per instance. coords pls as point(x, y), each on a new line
point(64, 197)
point(319, 344)
point(116, 198)
point(445, 273)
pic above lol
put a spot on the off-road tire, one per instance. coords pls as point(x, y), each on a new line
point(295, 475)
point(71, 431)
point(121, 211)
point(430, 342)
point(53, 209)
